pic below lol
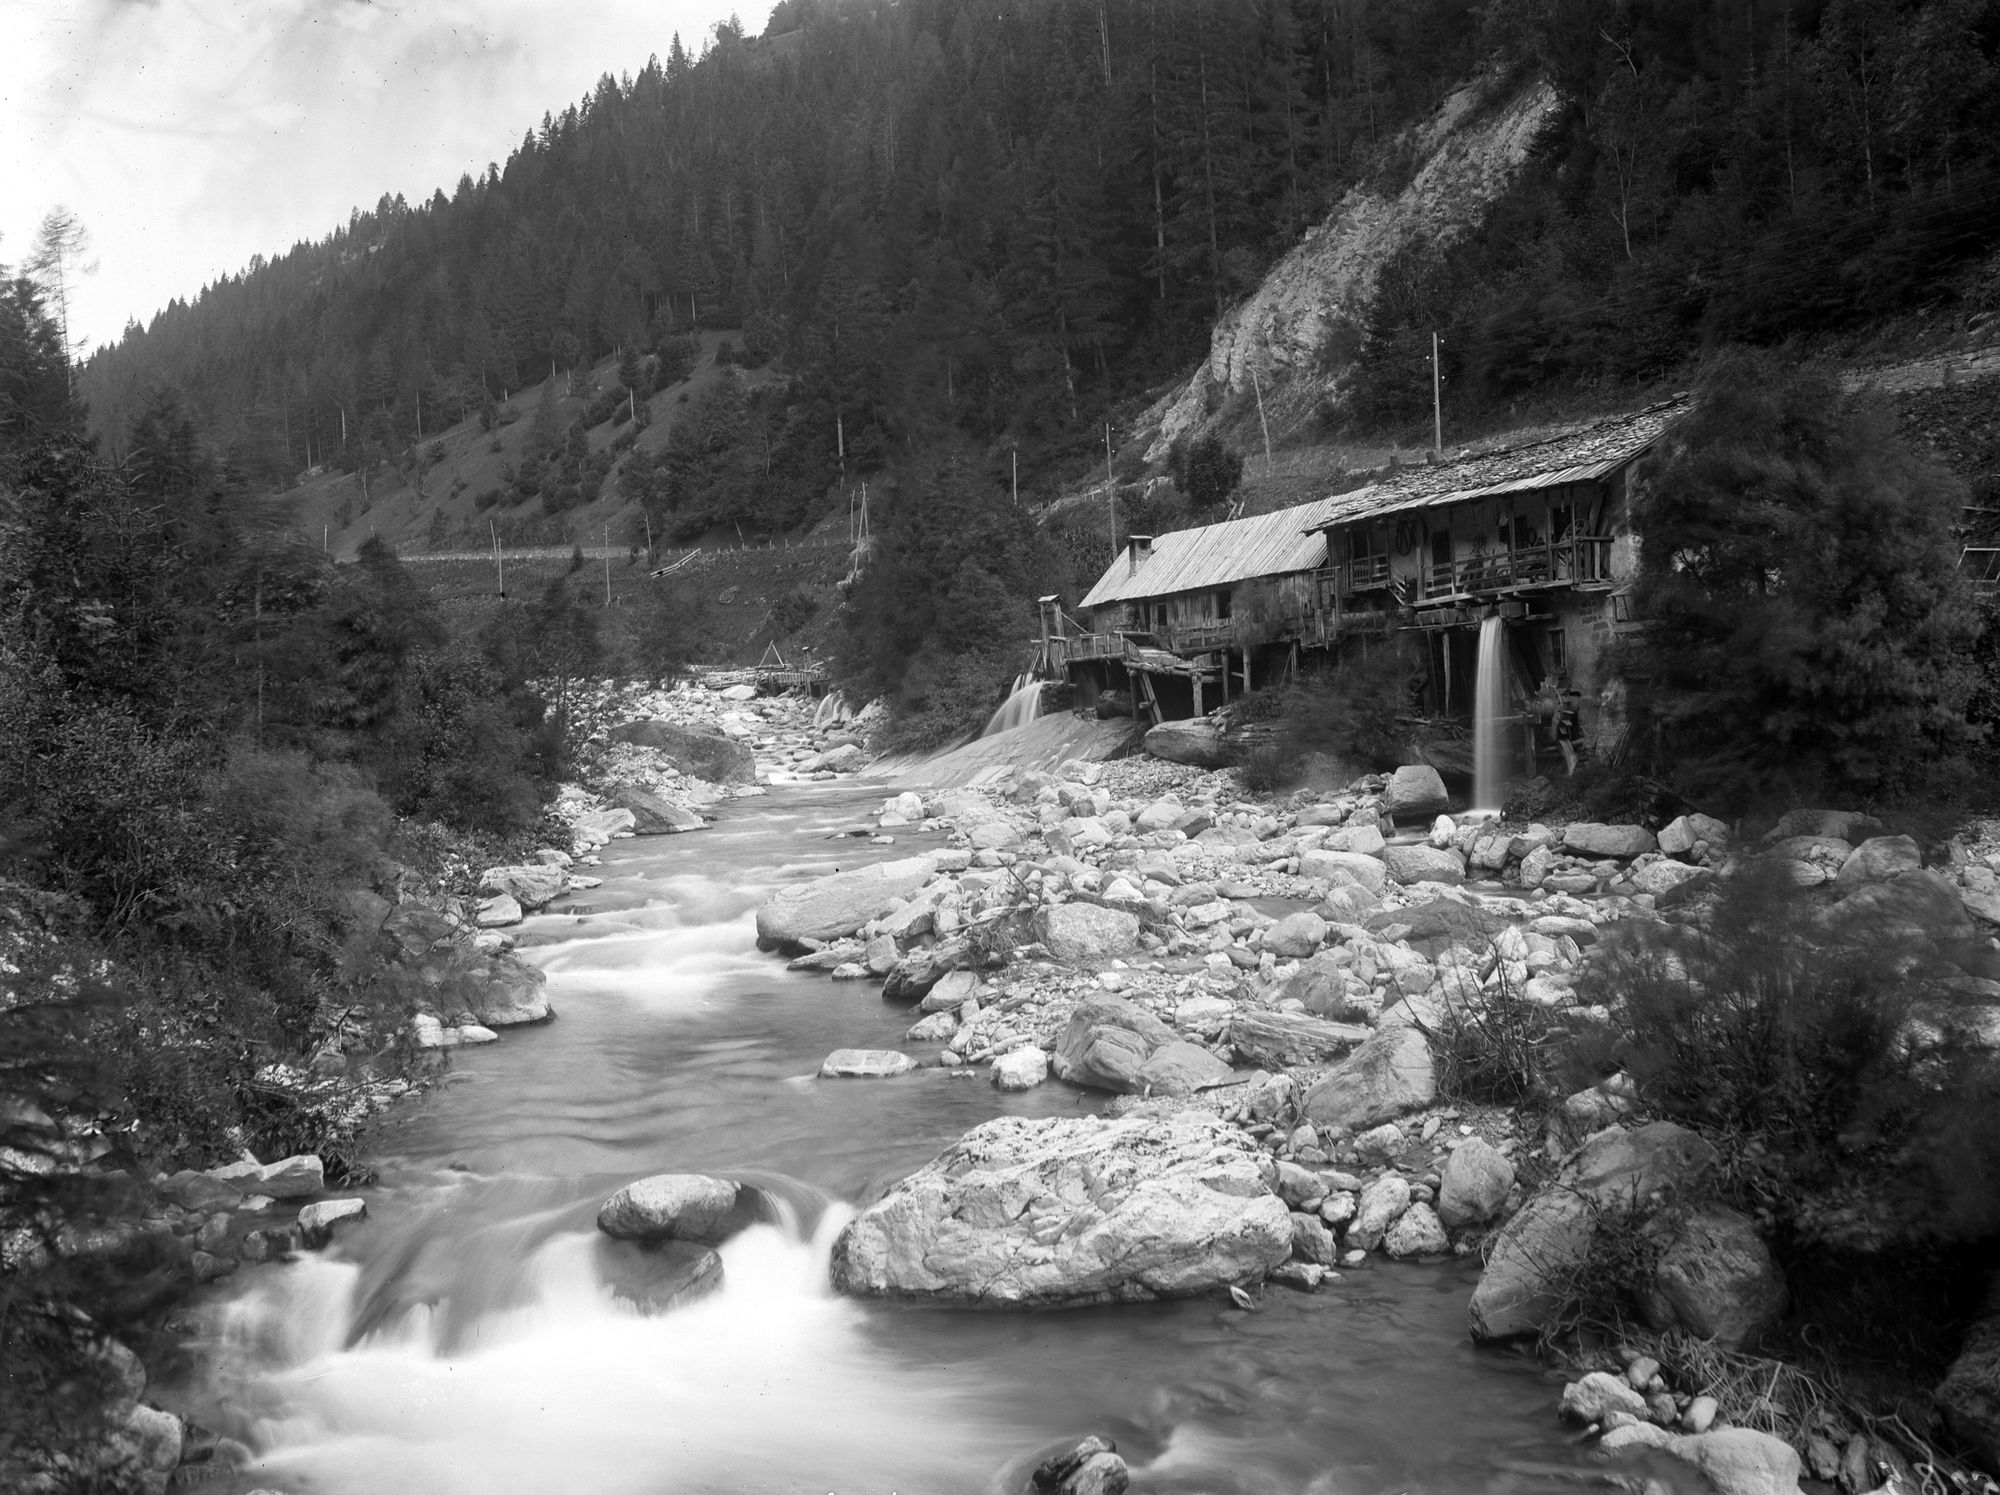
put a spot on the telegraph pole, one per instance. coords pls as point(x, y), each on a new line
point(1437, 397)
point(1110, 490)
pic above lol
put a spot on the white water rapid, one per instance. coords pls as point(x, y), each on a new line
point(1489, 718)
point(1023, 705)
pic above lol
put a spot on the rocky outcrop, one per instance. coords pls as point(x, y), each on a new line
point(834, 906)
point(700, 752)
point(1112, 1044)
point(1615, 1175)
point(1065, 1212)
point(1294, 329)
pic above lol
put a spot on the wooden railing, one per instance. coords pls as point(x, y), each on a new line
point(1980, 566)
point(1198, 638)
point(1368, 573)
point(1577, 561)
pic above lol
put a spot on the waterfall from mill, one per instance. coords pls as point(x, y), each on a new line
point(1489, 717)
point(1023, 705)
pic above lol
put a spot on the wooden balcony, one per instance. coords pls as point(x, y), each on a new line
point(1579, 561)
point(1202, 638)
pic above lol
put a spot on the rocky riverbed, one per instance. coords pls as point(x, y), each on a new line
point(1262, 983)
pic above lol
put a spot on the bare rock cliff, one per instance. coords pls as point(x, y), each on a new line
point(1301, 328)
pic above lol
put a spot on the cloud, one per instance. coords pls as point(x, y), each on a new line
point(191, 135)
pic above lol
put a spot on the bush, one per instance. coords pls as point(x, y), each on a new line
point(794, 609)
point(1823, 1049)
point(1204, 469)
point(1350, 710)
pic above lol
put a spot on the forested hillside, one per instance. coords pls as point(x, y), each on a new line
point(956, 233)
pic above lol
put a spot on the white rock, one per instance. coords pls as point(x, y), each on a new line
point(1021, 1069)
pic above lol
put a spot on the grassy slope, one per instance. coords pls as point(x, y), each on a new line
point(443, 515)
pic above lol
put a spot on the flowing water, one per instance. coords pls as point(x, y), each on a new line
point(1490, 718)
point(1023, 705)
point(462, 1340)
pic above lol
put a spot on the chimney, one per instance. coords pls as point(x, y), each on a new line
point(1141, 548)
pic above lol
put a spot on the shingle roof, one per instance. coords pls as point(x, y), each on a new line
point(1577, 456)
point(1215, 555)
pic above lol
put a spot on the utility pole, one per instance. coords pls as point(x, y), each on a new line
point(1110, 490)
point(1437, 397)
point(499, 566)
point(1256, 385)
point(1014, 463)
point(607, 563)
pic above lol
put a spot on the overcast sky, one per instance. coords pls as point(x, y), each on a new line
point(190, 135)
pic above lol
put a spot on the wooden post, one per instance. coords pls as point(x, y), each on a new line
point(1254, 384)
point(499, 566)
point(1110, 490)
point(1197, 690)
point(1437, 396)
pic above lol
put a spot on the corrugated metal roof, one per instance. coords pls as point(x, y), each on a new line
point(1189, 560)
point(1580, 456)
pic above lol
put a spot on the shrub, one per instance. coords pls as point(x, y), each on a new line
point(1204, 469)
point(1825, 1049)
point(1350, 710)
point(794, 609)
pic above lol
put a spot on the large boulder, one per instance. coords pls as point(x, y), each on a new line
point(680, 1207)
point(531, 887)
point(1740, 1461)
point(831, 907)
point(702, 752)
point(1433, 927)
point(1969, 1395)
point(1390, 1075)
point(1295, 936)
point(1623, 842)
point(1474, 1186)
point(1322, 985)
point(1714, 1276)
point(653, 814)
point(1197, 743)
point(1344, 867)
point(1110, 1043)
point(1877, 860)
point(1682, 834)
point(1414, 789)
point(1063, 1212)
point(1612, 1177)
point(1921, 905)
point(508, 993)
point(1414, 864)
point(1082, 932)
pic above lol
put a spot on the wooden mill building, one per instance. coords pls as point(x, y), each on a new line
point(1538, 533)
